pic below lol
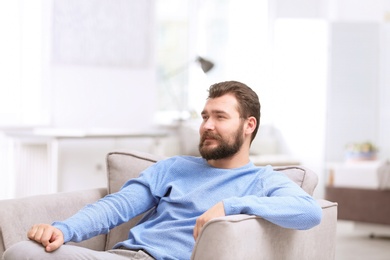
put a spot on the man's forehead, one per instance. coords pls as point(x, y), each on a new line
point(226, 104)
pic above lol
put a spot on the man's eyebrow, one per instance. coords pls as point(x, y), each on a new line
point(214, 112)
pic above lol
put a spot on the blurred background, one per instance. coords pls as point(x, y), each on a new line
point(79, 79)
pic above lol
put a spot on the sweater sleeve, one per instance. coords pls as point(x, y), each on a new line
point(98, 218)
point(279, 201)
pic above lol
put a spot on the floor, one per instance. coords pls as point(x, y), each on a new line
point(352, 243)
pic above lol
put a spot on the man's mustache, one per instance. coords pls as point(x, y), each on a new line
point(210, 136)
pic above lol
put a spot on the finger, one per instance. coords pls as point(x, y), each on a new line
point(47, 234)
point(56, 241)
point(38, 233)
point(53, 245)
point(198, 227)
point(195, 233)
point(32, 231)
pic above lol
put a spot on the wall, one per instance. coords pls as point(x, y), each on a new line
point(356, 89)
point(90, 97)
point(99, 62)
point(99, 74)
point(98, 98)
point(353, 100)
point(358, 107)
point(384, 93)
point(297, 94)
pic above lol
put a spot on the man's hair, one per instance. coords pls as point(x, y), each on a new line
point(248, 101)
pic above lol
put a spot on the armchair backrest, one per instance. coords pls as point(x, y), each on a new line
point(304, 177)
point(122, 166)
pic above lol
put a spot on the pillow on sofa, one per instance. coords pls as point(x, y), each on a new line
point(122, 166)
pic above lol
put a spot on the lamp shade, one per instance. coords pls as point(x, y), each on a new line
point(206, 65)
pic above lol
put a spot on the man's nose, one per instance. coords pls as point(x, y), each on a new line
point(209, 124)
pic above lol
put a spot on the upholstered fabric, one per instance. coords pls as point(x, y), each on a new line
point(18, 215)
point(302, 176)
point(250, 237)
point(122, 166)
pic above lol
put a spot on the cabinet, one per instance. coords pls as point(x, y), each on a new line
point(362, 195)
point(361, 205)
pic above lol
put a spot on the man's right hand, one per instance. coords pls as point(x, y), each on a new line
point(50, 237)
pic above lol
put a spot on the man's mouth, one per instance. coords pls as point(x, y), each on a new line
point(210, 137)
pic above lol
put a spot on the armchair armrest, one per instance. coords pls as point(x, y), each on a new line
point(251, 237)
point(18, 215)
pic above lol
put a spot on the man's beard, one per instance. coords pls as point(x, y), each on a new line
point(223, 149)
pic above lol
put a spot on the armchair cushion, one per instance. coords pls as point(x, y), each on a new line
point(18, 215)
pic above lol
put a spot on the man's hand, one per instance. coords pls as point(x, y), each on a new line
point(50, 237)
point(216, 211)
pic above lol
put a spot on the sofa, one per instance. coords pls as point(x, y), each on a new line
point(229, 237)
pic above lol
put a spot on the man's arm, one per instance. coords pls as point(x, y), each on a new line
point(50, 237)
point(286, 205)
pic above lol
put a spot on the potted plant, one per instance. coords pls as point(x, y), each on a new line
point(361, 151)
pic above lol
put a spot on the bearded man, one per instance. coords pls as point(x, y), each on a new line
point(182, 193)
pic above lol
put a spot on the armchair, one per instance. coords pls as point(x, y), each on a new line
point(230, 237)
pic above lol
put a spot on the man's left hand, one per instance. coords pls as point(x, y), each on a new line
point(216, 211)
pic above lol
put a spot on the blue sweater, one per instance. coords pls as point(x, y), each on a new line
point(182, 188)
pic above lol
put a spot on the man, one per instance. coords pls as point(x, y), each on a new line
point(185, 193)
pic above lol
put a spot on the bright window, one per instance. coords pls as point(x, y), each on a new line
point(21, 80)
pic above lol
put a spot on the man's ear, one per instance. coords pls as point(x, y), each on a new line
point(250, 125)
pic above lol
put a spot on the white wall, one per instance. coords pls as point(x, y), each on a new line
point(358, 92)
point(87, 65)
point(296, 95)
point(384, 93)
point(99, 63)
point(98, 98)
point(93, 97)
point(353, 100)
point(298, 106)
point(99, 73)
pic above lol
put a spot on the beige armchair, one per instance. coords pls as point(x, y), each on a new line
point(231, 237)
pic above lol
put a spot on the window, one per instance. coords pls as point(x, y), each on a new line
point(21, 63)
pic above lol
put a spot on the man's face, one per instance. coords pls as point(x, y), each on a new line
point(221, 132)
